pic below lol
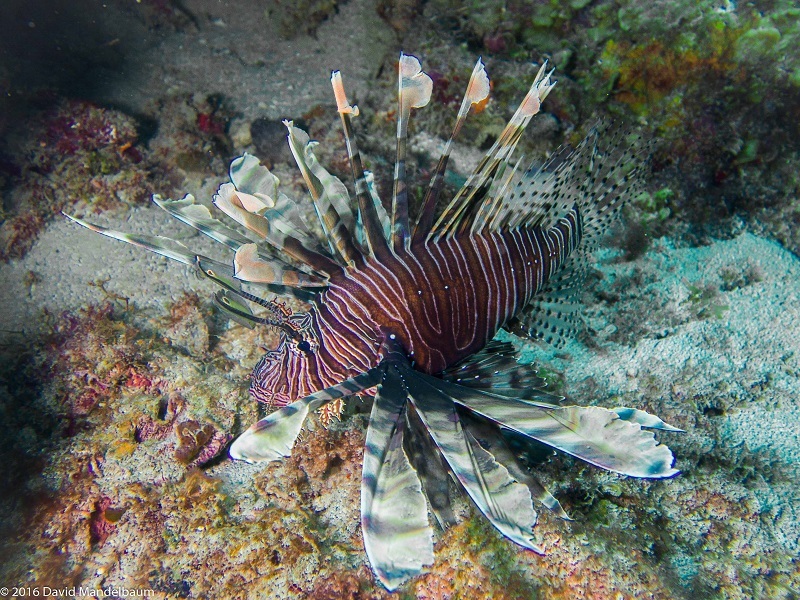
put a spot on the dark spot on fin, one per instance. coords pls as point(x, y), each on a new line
point(554, 314)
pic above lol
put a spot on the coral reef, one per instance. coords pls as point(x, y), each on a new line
point(78, 156)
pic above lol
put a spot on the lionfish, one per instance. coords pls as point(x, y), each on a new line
point(407, 312)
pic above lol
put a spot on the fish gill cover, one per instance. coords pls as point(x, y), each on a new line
point(406, 311)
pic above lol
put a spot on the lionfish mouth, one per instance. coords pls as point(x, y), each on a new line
point(426, 432)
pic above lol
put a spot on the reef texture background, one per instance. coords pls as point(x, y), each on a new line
point(120, 386)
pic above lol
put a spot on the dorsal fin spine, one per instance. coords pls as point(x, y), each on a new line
point(373, 230)
point(458, 214)
point(477, 93)
point(414, 91)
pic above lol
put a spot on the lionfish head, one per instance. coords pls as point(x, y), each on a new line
point(288, 372)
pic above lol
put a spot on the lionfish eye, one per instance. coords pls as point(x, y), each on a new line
point(304, 346)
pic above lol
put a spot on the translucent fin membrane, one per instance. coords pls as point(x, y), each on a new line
point(274, 248)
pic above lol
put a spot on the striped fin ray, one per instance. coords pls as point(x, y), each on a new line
point(603, 172)
point(251, 183)
point(383, 217)
point(613, 175)
point(461, 210)
point(505, 502)
point(531, 199)
point(259, 193)
point(273, 437)
point(594, 434)
point(236, 205)
point(477, 93)
point(432, 471)
point(330, 196)
point(232, 301)
point(235, 306)
point(414, 91)
point(597, 179)
point(490, 208)
point(499, 448)
point(283, 276)
point(370, 209)
point(394, 515)
point(199, 217)
point(155, 243)
point(249, 267)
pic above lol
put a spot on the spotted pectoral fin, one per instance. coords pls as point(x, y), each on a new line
point(554, 314)
point(394, 516)
point(505, 502)
point(273, 437)
point(594, 434)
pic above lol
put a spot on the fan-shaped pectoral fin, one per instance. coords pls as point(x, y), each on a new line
point(505, 502)
point(394, 515)
point(594, 434)
point(155, 243)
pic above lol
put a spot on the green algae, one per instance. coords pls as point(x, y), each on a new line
point(500, 559)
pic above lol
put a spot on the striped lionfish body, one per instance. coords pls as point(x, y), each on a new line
point(444, 301)
point(408, 312)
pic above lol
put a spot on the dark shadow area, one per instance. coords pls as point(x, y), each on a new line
point(62, 48)
point(31, 429)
